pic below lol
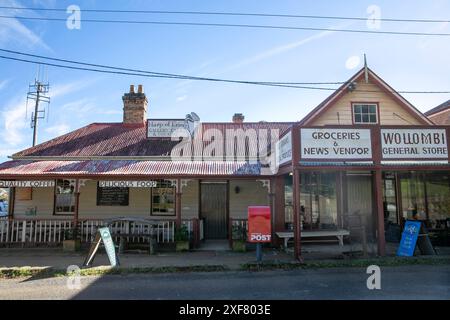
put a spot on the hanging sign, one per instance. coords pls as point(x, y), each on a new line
point(284, 149)
point(127, 184)
point(27, 184)
point(337, 144)
point(414, 144)
point(259, 224)
point(104, 235)
point(409, 238)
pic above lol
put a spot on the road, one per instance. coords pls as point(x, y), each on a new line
point(406, 282)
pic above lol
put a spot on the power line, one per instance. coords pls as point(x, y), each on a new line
point(252, 26)
point(149, 74)
point(247, 14)
point(178, 76)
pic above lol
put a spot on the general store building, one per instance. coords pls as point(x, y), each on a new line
point(358, 165)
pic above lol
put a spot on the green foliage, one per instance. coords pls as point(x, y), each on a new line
point(239, 233)
point(182, 234)
point(71, 234)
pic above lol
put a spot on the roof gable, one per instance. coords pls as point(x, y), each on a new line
point(379, 83)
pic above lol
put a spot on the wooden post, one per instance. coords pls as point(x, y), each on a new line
point(178, 203)
point(77, 203)
point(297, 230)
point(378, 189)
point(279, 219)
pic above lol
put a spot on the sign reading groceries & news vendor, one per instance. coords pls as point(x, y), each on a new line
point(331, 143)
point(414, 144)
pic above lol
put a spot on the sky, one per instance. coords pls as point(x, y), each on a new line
point(413, 63)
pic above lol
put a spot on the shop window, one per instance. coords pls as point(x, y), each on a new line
point(438, 200)
point(413, 196)
point(365, 113)
point(163, 199)
point(288, 203)
point(318, 201)
point(64, 197)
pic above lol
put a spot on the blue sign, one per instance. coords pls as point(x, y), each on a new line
point(409, 239)
point(109, 245)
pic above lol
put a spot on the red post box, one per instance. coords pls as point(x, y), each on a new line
point(259, 224)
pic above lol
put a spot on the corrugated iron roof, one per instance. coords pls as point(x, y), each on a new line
point(23, 168)
point(118, 139)
point(439, 108)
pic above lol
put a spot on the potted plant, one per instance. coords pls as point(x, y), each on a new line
point(239, 238)
point(182, 238)
point(71, 240)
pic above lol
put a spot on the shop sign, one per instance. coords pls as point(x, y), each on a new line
point(414, 144)
point(259, 226)
point(127, 184)
point(284, 149)
point(409, 238)
point(165, 128)
point(102, 234)
point(27, 184)
point(340, 144)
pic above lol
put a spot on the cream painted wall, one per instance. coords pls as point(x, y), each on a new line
point(139, 203)
point(391, 113)
point(42, 200)
point(251, 193)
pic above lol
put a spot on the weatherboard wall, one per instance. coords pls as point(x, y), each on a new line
point(390, 112)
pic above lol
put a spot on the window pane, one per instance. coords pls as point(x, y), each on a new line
point(163, 199)
point(373, 108)
point(365, 108)
point(357, 108)
point(365, 118)
point(373, 118)
point(64, 197)
point(357, 118)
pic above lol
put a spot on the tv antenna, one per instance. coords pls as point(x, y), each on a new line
point(37, 92)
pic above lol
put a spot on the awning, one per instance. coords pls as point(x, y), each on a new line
point(26, 168)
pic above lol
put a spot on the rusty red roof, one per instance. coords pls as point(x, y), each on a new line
point(130, 140)
point(54, 168)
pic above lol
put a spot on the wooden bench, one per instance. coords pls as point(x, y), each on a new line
point(339, 234)
point(124, 236)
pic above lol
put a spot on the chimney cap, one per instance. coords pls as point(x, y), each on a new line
point(140, 88)
point(238, 118)
point(131, 88)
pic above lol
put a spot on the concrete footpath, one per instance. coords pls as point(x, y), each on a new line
point(57, 259)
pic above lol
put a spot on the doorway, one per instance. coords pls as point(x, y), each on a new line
point(214, 209)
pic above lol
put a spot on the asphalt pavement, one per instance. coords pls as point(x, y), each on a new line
point(402, 282)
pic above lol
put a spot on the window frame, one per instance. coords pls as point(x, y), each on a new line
point(377, 112)
point(63, 213)
point(163, 214)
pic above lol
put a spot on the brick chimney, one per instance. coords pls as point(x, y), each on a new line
point(135, 106)
point(238, 118)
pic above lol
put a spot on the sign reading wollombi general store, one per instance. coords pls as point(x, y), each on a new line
point(164, 128)
point(259, 226)
point(327, 143)
point(414, 144)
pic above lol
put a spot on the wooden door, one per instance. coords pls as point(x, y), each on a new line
point(214, 209)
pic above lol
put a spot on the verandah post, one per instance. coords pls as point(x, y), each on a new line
point(378, 189)
point(178, 204)
point(77, 203)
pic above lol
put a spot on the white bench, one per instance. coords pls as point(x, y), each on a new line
point(339, 234)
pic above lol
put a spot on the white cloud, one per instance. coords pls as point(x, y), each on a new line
point(181, 98)
point(14, 122)
point(285, 48)
point(3, 84)
point(12, 30)
point(58, 130)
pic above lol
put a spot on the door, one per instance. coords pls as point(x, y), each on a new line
point(214, 209)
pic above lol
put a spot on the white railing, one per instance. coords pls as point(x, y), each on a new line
point(51, 231)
